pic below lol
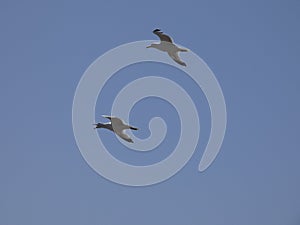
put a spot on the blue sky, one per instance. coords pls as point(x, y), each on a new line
point(253, 49)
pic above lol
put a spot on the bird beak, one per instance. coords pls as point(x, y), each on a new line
point(148, 46)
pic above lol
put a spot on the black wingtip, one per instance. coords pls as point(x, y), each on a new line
point(156, 30)
point(134, 128)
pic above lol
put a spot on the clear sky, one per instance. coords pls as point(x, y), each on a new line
point(252, 47)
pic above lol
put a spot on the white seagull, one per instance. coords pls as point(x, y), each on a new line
point(117, 126)
point(166, 45)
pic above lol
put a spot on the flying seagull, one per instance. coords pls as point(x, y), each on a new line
point(117, 126)
point(166, 45)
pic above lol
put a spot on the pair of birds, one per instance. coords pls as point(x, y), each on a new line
point(117, 125)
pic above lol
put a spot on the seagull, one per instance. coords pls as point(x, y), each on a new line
point(117, 126)
point(166, 45)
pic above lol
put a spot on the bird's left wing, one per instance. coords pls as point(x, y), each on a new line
point(114, 120)
point(162, 36)
point(107, 117)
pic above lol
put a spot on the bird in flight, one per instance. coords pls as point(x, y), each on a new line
point(166, 45)
point(117, 126)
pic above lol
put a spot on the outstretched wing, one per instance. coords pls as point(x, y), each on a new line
point(114, 120)
point(107, 117)
point(176, 58)
point(124, 136)
point(117, 124)
point(162, 36)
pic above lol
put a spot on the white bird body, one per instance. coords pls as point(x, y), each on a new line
point(118, 126)
point(166, 45)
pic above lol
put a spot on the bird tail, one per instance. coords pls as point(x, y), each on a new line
point(183, 50)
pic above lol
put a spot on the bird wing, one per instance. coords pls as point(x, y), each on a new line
point(107, 117)
point(176, 58)
point(117, 124)
point(124, 136)
point(114, 120)
point(162, 36)
point(133, 128)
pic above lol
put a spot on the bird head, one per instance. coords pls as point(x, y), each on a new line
point(97, 125)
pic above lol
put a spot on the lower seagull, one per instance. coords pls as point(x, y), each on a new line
point(117, 126)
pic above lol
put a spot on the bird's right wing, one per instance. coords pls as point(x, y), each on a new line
point(162, 36)
point(176, 58)
point(124, 136)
